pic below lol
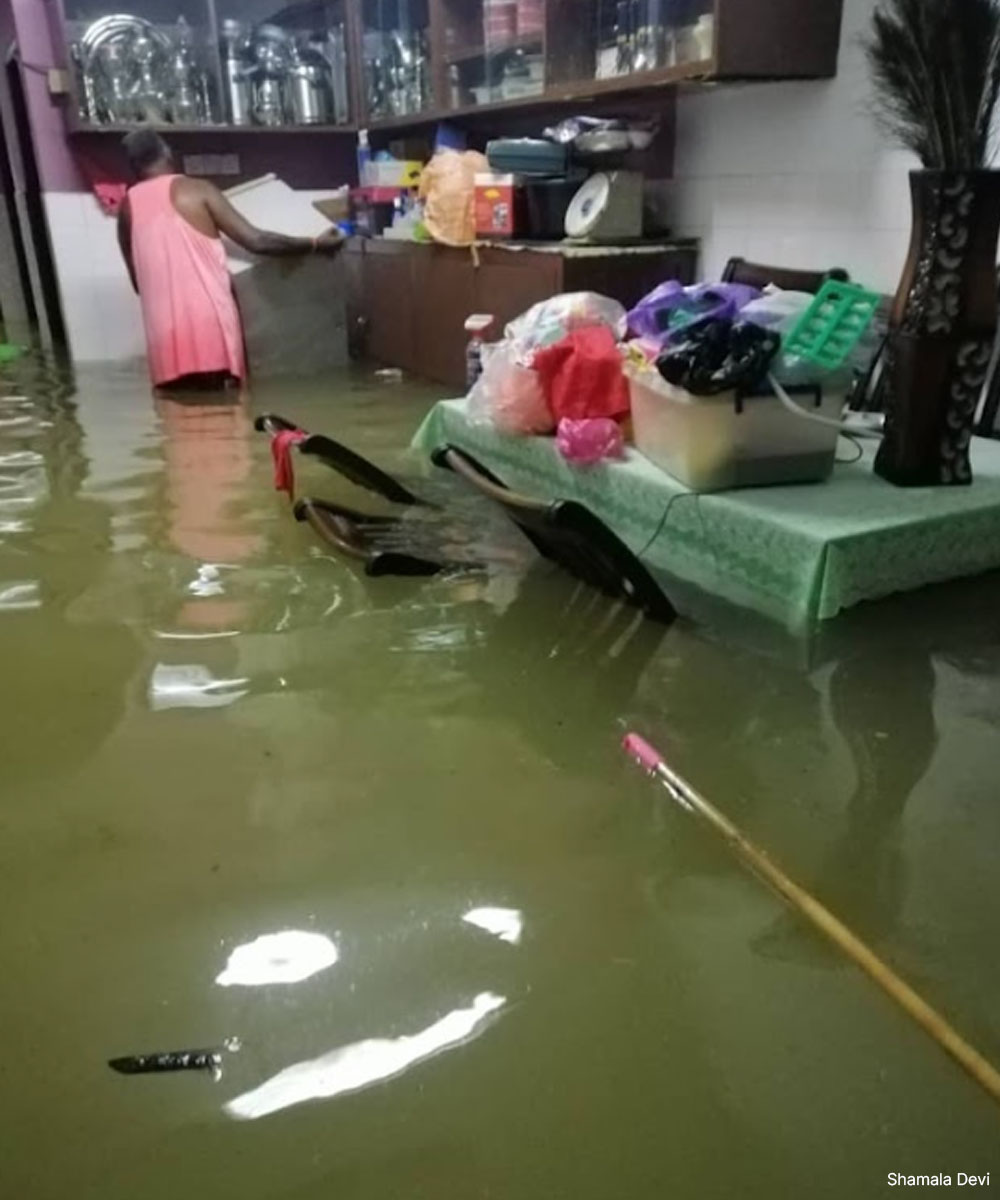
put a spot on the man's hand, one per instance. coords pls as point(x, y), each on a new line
point(329, 242)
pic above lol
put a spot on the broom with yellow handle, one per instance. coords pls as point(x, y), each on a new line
point(985, 1074)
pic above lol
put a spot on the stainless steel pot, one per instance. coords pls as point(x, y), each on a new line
point(308, 87)
point(236, 69)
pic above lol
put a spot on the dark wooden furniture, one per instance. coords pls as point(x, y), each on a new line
point(563, 532)
point(739, 40)
point(869, 390)
point(412, 300)
point(759, 275)
point(569, 535)
point(986, 425)
point(356, 536)
point(342, 459)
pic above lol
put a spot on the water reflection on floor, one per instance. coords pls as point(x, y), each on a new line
point(380, 832)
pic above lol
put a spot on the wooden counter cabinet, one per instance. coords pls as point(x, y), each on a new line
point(410, 301)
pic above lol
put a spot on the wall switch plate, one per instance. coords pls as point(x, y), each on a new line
point(58, 82)
point(213, 166)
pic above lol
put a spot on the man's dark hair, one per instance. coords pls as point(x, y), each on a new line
point(144, 148)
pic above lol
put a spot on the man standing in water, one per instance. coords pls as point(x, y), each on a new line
point(169, 230)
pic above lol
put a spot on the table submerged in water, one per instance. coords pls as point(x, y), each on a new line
point(798, 553)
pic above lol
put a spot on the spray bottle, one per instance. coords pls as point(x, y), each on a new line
point(477, 326)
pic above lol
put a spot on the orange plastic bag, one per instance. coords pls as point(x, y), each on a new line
point(448, 190)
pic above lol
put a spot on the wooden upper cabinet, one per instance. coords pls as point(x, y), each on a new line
point(494, 51)
point(507, 54)
point(298, 64)
point(600, 46)
point(777, 39)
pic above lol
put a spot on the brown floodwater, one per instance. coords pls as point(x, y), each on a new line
point(381, 832)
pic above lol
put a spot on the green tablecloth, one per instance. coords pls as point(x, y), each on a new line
point(798, 553)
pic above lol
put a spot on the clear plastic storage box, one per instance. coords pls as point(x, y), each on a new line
point(712, 443)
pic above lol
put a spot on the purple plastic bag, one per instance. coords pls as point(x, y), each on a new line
point(671, 310)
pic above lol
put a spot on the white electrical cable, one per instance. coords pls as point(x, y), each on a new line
point(858, 431)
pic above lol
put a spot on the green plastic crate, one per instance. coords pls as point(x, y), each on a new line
point(832, 325)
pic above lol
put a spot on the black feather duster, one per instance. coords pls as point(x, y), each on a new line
point(936, 69)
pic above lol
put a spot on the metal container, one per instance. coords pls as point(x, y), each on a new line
point(308, 87)
point(236, 69)
point(270, 76)
point(269, 100)
point(114, 62)
point(336, 54)
point(148, 93)
point(186, 80)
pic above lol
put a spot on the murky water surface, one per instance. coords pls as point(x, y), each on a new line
point(380, 832)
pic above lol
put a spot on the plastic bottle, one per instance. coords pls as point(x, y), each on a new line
point(478, 325)
point(364, 156)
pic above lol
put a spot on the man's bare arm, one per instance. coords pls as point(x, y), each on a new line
point(261, 241)
point(125, 241)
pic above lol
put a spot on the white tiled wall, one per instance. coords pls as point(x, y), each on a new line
point(101, 311)
point(794, 174)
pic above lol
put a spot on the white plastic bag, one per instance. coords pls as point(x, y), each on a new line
point(777, 309)
point(508, 394)
point(551, 320)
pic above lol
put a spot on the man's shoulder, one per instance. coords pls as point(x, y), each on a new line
point(195, 194)
point(194, 187)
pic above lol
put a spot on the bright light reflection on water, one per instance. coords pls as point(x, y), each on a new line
point(286, 957)
point(361, 1064)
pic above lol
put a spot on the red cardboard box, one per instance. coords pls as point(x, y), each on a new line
point(496, 198)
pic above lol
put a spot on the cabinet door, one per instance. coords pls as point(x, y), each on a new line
point(629, 277)
point(494, 50)
point(508, 283)
point(156, 63)
point(765, 38)
point(353, 258)
point(389, 307)
point(639, 41)
point(397, 69)
point(444, 297)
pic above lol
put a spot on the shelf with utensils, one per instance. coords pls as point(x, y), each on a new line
point(500, 56)
point(337, 65)
point(200, 64)
point(82, 130)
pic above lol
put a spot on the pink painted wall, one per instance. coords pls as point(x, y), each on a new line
point(33, 24)
point(304, 162)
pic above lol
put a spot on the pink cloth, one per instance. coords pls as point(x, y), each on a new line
point(281, 453)
point(110, 196)
point(590, 440)
point(192, 322)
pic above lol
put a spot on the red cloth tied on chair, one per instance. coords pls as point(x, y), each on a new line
point(281, 453)
point(582, 375)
